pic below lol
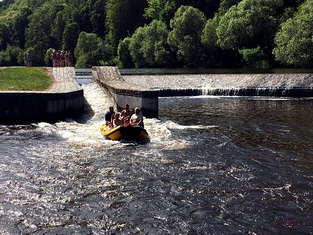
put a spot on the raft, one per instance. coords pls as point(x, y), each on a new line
point(127, 133)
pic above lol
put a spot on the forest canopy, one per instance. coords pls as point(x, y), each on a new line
point(159, 33)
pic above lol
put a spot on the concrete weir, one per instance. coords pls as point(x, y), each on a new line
point(64, 99)
point(126, 93)
point(286, 85)
point(144, 90)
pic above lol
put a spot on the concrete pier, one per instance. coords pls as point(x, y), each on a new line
point(125, 93)
point(64, 99)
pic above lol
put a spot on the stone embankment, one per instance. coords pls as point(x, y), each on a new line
point(64, 99)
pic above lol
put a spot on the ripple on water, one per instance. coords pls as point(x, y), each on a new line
point(214, 175)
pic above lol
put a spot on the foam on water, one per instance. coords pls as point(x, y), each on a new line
point(231, 166)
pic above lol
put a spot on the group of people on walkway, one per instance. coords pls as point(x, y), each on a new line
point(126, 117)
point(61, 58)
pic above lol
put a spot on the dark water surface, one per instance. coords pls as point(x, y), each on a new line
point(215, 165)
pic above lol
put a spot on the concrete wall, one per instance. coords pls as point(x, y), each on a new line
point(65, 99)
point(125, 93)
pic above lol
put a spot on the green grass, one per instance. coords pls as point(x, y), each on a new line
point(24, 79)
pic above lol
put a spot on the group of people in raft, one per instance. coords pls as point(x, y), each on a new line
point(126, 117)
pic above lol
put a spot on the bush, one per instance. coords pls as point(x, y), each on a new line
point(185, 37)
point(255, 58)
point(123, 53)
point(294, 41)
point(148, 46)
point(88, 50)
point(12, 56)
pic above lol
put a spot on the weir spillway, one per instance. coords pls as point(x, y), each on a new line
point(144, 90)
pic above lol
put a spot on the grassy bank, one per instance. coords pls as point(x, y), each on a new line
point(24, 79)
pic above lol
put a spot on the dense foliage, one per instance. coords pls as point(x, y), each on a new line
point(159, 33)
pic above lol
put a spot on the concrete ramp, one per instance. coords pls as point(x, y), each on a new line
point(126, 93)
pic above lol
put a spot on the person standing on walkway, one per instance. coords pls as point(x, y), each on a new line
point(29, 59)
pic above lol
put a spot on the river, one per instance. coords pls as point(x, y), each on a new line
point(215, 165)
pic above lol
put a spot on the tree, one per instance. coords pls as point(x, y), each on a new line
point(148, 46)
point(162, 10)
point(254, 58)
point(12, 56)
point(122, 18)
point(294, 41)
point(70, 36)
point(226, 4)
point(123, 53)
point(4, 36)
point(185, 37)
point(97, 17)
point(39, 31)
point(249, 24)
point(88, 50)
point(18, 26)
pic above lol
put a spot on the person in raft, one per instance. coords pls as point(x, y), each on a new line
point(117, 121)
point(109, 115)
point(126, 114)
point(137, 118)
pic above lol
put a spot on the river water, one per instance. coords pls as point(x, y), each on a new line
point(215, 165)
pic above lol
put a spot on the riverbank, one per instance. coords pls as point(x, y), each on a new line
point(64, 99)
point(24, 79)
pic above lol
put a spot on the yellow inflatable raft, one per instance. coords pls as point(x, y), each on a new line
point(128, 133)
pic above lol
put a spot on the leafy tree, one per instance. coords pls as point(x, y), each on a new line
point(88, 50)
point(209, 41)
point(70, 36)
point(4, 36)
point(294, 41)
point(58, 28)
point(208, 7)
point(255, 58)
point(215, 56)
point(12, 56)
point(18, 26)
point(47, 59)
point(226, 4)
point(38, 34)
point(148, 46)
point(162, 10)
point(122, 18)
point(123, 53)
point(185, 39)
point(209, 36)
point(249, 24)
point(97, 17)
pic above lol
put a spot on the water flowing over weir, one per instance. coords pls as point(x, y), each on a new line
point(215, 165)
point(287, 85)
